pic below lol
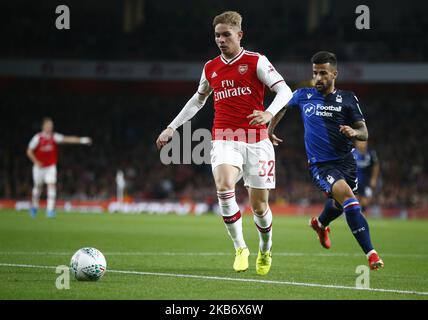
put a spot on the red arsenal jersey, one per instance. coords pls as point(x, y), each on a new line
point(238, 89)
point(45, 148)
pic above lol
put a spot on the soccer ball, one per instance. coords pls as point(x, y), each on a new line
point(88, 264)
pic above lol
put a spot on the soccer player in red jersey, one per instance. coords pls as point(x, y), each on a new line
point(43, 152)
point(240, 143)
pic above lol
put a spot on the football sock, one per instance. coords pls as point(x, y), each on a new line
point(358, 224)
point(37, 190)
point(264, 226)
point(51, 197)
point(332, 210)
point(229, 209)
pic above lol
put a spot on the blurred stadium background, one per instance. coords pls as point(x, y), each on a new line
point(126, 68)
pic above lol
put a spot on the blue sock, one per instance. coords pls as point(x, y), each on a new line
point(358, 224)
point(330, 213)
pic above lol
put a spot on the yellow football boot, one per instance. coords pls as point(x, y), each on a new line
point(263, 262)
point(241, 259)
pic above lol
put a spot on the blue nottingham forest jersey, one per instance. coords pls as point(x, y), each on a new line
point(321, 119)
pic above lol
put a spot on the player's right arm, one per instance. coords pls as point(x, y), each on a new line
point(30, 150)
point(195, 103)
point(277, 118)
point(272, 125)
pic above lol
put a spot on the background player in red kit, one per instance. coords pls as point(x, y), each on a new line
point(240, 146)
point(43, 152)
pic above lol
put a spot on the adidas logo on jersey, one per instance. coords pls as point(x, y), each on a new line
point(214, 75)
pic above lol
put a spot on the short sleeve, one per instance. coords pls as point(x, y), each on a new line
point(34, 142)
point(294, 101)
point(58, 138)
point(204, 87)
point(355, 110)
point(266, 73)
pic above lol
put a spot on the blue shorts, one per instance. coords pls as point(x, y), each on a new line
point(364, 190)
point(325, 174)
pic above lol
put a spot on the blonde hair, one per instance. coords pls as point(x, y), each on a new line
point(231, 18)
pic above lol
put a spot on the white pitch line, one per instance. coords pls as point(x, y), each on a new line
point(166, 253)
point(191, 276)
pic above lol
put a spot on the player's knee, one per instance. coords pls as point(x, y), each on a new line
point(342, 191)
point(259, 207)
point(224, 184)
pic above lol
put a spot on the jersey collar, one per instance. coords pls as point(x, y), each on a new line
point(234, 59)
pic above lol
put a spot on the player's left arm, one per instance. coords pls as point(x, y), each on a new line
point(357, 131)
point(61, 139)
point(268, 75)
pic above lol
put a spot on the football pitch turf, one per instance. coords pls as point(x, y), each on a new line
point(190, 257)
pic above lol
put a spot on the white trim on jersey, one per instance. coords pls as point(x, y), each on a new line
point(204, 88)
point(34, 142)
point(234, 59)
point(195, 103)
point(58, 137)
point(251, 53)
point(266, 73)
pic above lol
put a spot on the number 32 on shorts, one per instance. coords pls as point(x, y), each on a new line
point(266, 168)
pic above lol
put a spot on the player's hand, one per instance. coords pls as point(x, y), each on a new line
point(86, 141)
point(347, 131)
point(164, 137)
point(274, 139)
point(260, 117)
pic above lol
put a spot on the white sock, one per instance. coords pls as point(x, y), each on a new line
point(51, 198)
point(264, 227)
point(37, 190)
point(229, 209)
point(370, 252)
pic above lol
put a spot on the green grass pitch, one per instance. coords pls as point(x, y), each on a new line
point(191, 257)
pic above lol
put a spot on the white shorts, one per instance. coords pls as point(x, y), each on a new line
point(256, 161)
point(44, 175)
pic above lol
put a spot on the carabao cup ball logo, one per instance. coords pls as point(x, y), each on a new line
point(309, 109)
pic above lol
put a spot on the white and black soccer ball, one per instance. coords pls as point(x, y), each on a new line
point(88, 264)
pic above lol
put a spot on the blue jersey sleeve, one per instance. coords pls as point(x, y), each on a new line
point(294, 101)
point(355, 111)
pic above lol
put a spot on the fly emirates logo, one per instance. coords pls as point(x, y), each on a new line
point(228, 90)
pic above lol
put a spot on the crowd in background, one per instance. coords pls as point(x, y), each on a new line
point(183, 32)
point(124, 125)
point(124, 128)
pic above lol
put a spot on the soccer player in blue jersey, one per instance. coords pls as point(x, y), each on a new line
point(368, 169)
point(332, 120)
